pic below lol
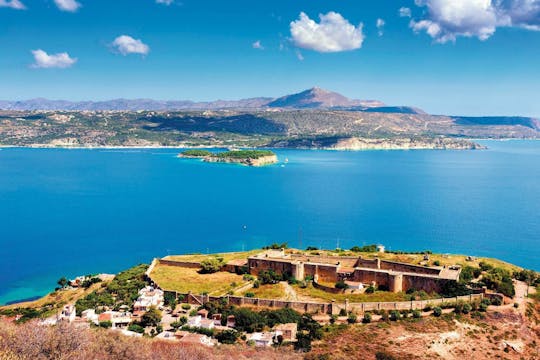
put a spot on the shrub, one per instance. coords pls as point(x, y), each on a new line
point(342, 312)
point(248, 277)
point(428, 308)
point(105, 324)
point(381, 355)
point(333, 319)
point(516, 305)
point(341, 285)
point(436, 263)
point(249, 295)
point(136, 328)
point(351, 319)
point(370, 289)
point(384, 315)
point(256, 284)
point(152, 317)
point(482, 307)
point(417, 314)
point(269, 277)
point(367, 318)
point(227, 336)
point(395, 315)
point(437, 311)
point(466, 308)
point(211, 265)
point(186, 306)
point(497, 301)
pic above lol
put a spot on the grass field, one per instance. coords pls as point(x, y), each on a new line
point(200, 257)
point(320, 295)
point(268, 292)
point(183, 280)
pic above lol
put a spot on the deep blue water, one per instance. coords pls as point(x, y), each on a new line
point(70, 212)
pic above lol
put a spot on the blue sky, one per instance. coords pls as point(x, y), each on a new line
point(467, 57)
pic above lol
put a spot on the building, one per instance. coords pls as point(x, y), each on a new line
point(393, 275)
point(118, 319)
point(90, 316)
point(262, 338)
point(68, 313)
point(194, 339)
point(200, 322)
point(231, 321)
point(287, 331)
point(148, 296)
point(217, 319)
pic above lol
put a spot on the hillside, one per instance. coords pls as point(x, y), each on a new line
point(280, 128)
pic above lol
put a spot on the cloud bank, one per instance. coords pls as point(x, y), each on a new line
point(333, 34)
point(13, 4)
point(42, 60)
point(165, 2)
point(126, 45)
point(446, 20)
point(67, 5)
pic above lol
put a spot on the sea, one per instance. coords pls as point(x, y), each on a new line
point(69, 212)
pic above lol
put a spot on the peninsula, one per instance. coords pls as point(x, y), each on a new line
point(243, 157)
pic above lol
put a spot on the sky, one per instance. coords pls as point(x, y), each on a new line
point(455, 57)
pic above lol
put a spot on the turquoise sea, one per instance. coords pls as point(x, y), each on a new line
point(70, 212)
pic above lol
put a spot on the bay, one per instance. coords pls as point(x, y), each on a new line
point(67, 212)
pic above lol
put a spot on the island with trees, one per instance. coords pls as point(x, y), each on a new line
point(243, 157)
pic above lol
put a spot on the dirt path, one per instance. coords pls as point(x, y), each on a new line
point(290, 293)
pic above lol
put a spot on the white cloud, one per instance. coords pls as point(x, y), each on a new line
point(380, 26)
point(257, 45)
point(165, 2)
point(333, 34)
point(46, 61)
point(67, 5)
point(446, 20)
point(126, 45)
point(13, 4)
point(299, 55)
point(405, 12)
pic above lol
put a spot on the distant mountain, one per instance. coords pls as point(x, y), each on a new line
point(317, 98)
point(498, 120)
point(395, 110)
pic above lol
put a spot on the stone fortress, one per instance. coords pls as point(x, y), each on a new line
point(394, 276)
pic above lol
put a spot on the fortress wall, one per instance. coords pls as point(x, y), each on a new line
point(280, 267)
point(367, 277)
point(192, 265)
point(400, 267)
point(367, 263)
point(347, 261)
point(427, 284)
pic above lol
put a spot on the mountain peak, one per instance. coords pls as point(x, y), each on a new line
point(315, 97)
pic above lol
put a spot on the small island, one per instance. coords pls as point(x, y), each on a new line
point(243, 157)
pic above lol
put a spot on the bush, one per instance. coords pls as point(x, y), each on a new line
point(384, 315)
point(437, 311)
point(351, 319)
point(269, 277)
point(341, 285)
point(516, 305)
point(416, 314)
point(152, 317)
point(342, 312)
point(186, 306)
point(482, 307)
point(497, 301)
point(436, 263)
point(256, 284)
point(367, 318)
point(105, 324)
point(249, 295)
point(394, 315)
point(466, 308)
point(381, 355)
point(370, 289)
point(333, 319)
point(367, 248)
point(211, 265)
point(227, 336)
point(136, 328)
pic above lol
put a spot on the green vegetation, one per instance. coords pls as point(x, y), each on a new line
point(437, 311)
point(276, 246)
point(122, 290)
point(196, 153)
point(151, 318)
point(244, 154)
point(211, 265)
point(366, 248)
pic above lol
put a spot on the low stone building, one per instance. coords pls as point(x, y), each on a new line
point(393, 275)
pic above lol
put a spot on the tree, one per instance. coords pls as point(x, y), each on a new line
point(63, 282)
point(341, 285)
point(228, 336)
point(437, 311)
point(269, 277)
point(367, 318)
point(152, 317)
point(211, 265)
point(351, 319)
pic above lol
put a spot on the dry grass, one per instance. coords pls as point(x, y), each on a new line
point(200, 257)
point(314, 294)
point(59, 298)
point(276, 292)
point(183, 280)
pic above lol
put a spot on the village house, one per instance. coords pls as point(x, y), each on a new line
point(217, 319)
point(200, 322)
point(118, 319)
point(186, 337)
point(148, 296)
point(262, 338)
point(68, 313)
point(287, 331)
point(90, 315)
point(231, 321)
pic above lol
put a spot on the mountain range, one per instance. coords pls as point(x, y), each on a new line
point(315, 98)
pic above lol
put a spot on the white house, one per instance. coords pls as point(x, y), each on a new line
point(148, 296)
point(68, 313)
point(262, 338)
point(200, 322)
point(90, 316)
point(118, 319)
